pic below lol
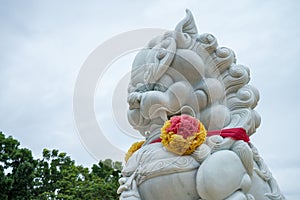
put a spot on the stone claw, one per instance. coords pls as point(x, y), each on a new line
point(122, 180)
point(134, 100)
point(122, 188)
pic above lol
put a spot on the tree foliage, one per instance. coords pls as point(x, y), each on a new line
point(17, 169)
point(54, 176)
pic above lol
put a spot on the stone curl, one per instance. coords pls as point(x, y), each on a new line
point(182, 72)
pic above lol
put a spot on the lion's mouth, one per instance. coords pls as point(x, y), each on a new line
point(151, 87)
point(164, 110)
point(186, 111)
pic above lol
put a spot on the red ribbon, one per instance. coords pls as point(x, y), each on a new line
point(233, 133)
point(157, 140)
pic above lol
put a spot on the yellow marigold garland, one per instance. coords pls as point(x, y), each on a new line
point(177, 143)
point(182, 143)
point(134, 147)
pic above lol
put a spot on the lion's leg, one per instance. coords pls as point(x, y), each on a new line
point(221, 175)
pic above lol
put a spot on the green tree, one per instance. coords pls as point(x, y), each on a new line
point(106, 175)
point(54, 176)
point(17, 168)
point(49, 173)
point(57, 177)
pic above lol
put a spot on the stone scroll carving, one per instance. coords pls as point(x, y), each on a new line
point(183, 72)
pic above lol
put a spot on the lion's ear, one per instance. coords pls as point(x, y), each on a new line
point(187, 25)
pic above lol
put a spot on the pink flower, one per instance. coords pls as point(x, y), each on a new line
point(184, 125)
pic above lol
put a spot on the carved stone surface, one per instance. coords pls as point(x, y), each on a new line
point(183, 72)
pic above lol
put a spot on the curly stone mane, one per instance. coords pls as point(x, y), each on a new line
point(187, 72)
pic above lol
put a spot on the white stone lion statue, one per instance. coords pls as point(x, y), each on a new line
point(183, 73)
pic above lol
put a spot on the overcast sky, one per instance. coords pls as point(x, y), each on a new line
point(43, 45)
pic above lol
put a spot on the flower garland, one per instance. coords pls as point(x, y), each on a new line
point(182, 134)
point(134, 147)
